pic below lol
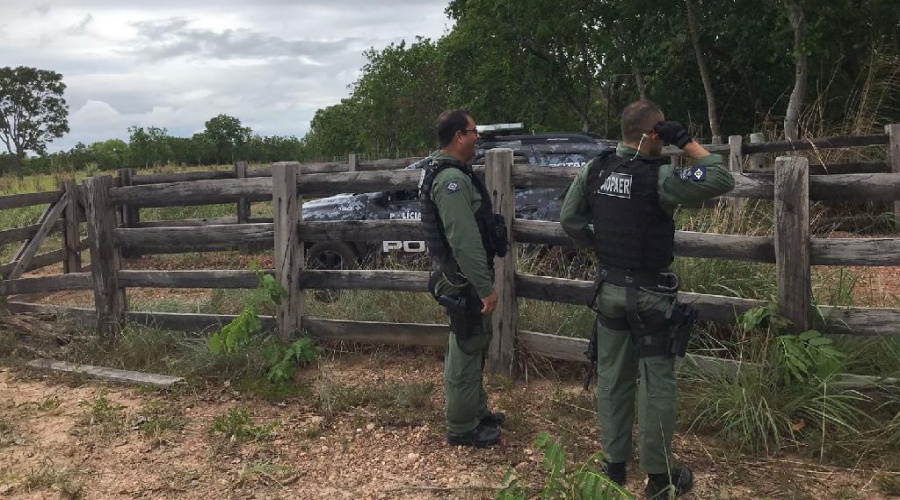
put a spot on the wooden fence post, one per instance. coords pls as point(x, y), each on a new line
point(289, 258)
point(131, 215)
point(353, 162)
point(893, 150)
point(71, 231)
point(498, 177)
point(101, 218)
point(757, 160)
point(792, 244)
point(735, 166)
point(243, 205)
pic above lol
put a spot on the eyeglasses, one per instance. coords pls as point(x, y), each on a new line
point(473, 130)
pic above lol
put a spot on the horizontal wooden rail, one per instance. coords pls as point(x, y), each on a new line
point(191, 192)
point(47, 284)
point(45, 259)
point(838, 187)
point(863, 167)
point(194, 239)
point(189, 279)
point(206, 175)
point(306, 168)
point(855, 251)
point(821, 143)
point(398, 281)
point(188, 222)
point(413, 334)
point(29, 199)
point(687, 243)
point(189, 238)
point(852, 320)
point(573, 349)
point(26, 233)
point(416, 334)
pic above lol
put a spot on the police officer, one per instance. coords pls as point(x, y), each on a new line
point(456, 212)
point(629, 196)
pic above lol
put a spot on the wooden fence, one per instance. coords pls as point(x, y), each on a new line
point(792, 248)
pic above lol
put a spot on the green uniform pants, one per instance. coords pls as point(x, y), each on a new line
point(618, 367)
point(463, 385)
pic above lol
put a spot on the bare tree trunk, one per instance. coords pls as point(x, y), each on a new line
point(792, 117)
point(704, 74)
point(639, 81)
point(20, 162)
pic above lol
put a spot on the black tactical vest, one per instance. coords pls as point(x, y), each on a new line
point(631, 229)
point(435, 239)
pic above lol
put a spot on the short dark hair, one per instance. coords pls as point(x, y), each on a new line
point(639, 118)
point(449, 123)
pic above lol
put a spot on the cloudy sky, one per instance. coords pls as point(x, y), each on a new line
point(177, 63)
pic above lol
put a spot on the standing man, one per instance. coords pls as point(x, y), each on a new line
point(461, 235)
point(630, 196)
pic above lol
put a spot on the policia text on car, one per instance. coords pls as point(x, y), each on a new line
point(621, 204)
point(463, 237)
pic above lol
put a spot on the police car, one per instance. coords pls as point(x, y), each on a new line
point(550, 150)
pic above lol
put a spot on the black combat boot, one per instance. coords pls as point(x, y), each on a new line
point(494, 419)
point(479, 437)
point(615, 471)
point(659, 486)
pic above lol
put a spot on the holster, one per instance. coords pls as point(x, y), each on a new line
point(680, 318)
point(464, 313)
point(653, 333)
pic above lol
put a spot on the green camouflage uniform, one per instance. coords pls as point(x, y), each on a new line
point(457, 200)
point(618, 365)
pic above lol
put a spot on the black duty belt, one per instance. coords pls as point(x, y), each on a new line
point(660, 280)
point(657, 280)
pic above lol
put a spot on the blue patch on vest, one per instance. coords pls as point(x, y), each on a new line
point(695, 174)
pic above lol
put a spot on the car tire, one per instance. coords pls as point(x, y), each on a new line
point(330, 256)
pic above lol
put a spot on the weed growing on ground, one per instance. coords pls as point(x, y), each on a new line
point(47, 477)
point(158, 417)
point(6, 430)
point(237, 426)
point(102, 416)
point(583, 481)
point(787, 390)
point(282, 359)
point(889, 484)
point(263, 472)
point(395, 403)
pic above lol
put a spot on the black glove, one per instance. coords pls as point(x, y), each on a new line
point(674, 133)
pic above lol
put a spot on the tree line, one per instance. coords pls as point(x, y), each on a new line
point(786, 67)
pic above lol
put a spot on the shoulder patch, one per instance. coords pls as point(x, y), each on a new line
point(695, 174)
point(452, 186)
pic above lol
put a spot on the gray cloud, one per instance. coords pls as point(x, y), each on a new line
point(174, 38)
point(175, 64)
point(80, 28)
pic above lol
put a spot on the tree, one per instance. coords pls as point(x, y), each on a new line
point(564, 45)
point(704, 72)
point(32, 110)
point(792, 117)
point(149, 146)
point(228, 135)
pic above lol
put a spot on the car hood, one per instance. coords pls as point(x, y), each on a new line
point(337, 207)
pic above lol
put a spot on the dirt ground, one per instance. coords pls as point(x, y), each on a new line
point(50, 447)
